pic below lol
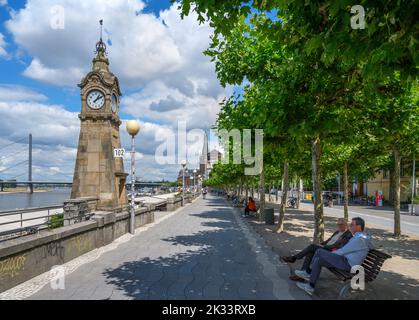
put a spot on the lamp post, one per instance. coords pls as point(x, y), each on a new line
point(412, 212)
point(133, 128)
point(183, 163)
point(194, 181)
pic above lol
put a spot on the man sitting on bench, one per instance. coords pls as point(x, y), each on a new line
point(351, 255)
point(251, 207)
point(336, 241)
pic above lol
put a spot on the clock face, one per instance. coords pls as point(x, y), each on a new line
point(114, 103)
point(96, 99)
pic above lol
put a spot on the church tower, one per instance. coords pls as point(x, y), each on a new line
point(98, 173)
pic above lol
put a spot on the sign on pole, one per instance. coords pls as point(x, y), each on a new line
point(119, 153)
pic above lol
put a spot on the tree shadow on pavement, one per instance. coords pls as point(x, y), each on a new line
point(214, 263)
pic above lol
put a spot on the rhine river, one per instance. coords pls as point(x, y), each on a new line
point(11, 201)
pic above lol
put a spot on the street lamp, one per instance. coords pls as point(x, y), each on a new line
point(133, 128)
point(194, 182)
point(183, 163)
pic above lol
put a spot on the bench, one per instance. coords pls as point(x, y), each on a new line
point(372, 266)
point(240, 203)
point(254, 214)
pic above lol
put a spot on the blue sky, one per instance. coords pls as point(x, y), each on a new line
point(12, 69)
point(156, 55)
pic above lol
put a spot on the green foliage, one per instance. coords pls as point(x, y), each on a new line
point(171, 184)
point(309, 74)
point(56, 221)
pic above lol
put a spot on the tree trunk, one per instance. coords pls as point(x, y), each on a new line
point(262, 194)
point(397, 160)
point(346, 191)
point(298, 184)
point(247, 191)
point(391, 189)
point(277, 192)
point(285, 186)
point(318, 201)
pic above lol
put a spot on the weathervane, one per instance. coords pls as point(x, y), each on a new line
point(101, 46)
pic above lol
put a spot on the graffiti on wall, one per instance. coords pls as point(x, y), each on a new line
point(11, 267)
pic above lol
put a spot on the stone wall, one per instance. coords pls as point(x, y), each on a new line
point(173, 204)
point(27, 257)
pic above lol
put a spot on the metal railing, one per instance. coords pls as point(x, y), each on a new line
point(29, 225)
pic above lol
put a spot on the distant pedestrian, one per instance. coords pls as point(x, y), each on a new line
point(250, 207)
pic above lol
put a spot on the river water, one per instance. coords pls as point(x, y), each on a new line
point(54, 197)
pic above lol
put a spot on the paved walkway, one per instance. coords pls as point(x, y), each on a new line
point(203, 251)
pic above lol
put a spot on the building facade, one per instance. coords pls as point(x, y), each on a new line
point(381, 182)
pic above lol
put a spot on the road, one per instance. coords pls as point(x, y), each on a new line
point(203, 251)
point(382, 218)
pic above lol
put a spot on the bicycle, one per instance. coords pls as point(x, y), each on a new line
point(292, 203)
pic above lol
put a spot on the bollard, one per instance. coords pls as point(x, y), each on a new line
point(269, 216)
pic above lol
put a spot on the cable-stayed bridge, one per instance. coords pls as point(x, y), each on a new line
point(17, 168)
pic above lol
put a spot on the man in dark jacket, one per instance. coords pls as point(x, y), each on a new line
point(340, 238)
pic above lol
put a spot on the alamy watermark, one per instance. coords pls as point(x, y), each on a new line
point(358, 280)
point(57, 281)
point(239, 147)
point(57, 18)
point(358, 20)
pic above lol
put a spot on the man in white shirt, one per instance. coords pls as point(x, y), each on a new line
point(336, 241)
point(350, 255)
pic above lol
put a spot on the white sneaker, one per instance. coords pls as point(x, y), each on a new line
point(306, 287)
point(303, 274)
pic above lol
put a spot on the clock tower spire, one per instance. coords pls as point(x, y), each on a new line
point(98, 173)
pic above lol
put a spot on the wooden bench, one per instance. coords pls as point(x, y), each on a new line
point(372, 266)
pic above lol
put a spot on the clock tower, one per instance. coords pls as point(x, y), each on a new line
point(98, 173)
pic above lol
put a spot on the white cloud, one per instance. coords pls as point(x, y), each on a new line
point(199, 111)
point(141, 50)
point(64, 76)
point(3, 52)
point(159, 58)
point(54, 130)
point(55, 135)
point(19, 93)
point(50, 124)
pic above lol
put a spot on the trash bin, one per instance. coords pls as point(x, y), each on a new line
point(269, 216)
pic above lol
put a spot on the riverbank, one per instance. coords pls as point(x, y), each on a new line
point(14, 191)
